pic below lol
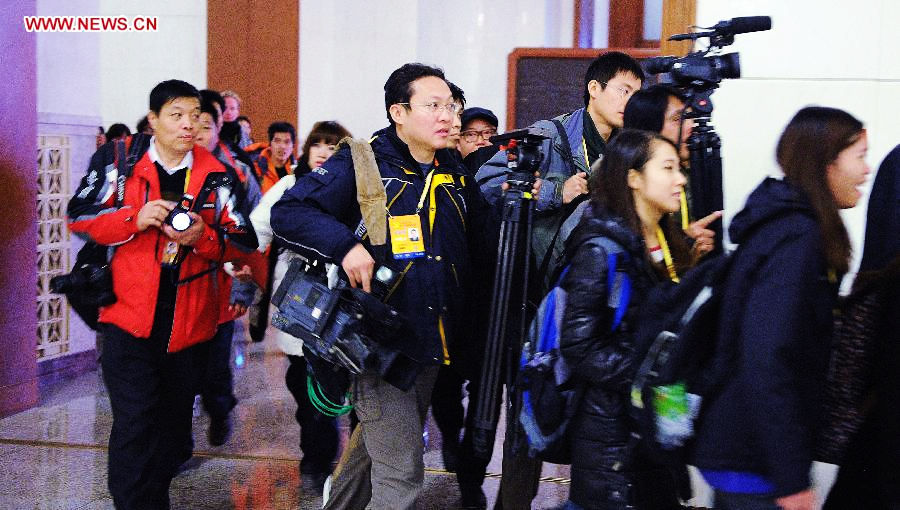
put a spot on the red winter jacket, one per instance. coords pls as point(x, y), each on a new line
point(136, 260)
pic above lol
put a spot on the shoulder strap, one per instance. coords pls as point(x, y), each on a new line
point(618, 283)
point(127, 154)
point(566, 209)
point(567, 149)
point(369, 190)
point(122, 171)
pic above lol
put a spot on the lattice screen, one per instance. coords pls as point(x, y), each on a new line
point(53, 244)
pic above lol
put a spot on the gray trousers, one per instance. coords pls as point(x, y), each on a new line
point(382, 466)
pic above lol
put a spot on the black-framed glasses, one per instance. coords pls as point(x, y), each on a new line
point(472, 136)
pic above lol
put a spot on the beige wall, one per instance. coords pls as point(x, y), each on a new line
point(839, 54)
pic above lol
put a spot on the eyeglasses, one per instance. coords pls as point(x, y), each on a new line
point(623, 92)
point(473, 136)
point(435, 108)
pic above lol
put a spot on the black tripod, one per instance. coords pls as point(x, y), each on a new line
point(706, 161)
point(509, 298)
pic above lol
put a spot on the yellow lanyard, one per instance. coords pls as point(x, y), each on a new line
point(584, 148)
point(187, 179)
point(667, 255)
point(685, 218)
point(425, 190)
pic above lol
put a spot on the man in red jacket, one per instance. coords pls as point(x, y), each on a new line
point(165, 281)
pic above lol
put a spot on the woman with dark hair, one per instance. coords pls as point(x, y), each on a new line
point(661, 109)
point(756, 436)
point(320, 144)
point(318, 433)
point(628, 218)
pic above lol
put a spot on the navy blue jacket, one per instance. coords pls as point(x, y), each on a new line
point(766, 418)
point(320, 217)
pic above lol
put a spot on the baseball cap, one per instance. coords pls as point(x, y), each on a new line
point(476, 112)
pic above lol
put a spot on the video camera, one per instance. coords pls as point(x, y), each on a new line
point(342, 325)
point(523, 156)
point(699, 68)
point(697, 76)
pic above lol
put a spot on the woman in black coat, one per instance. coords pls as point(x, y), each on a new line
point(756, 436)
point(869, 476)
point(637, 187)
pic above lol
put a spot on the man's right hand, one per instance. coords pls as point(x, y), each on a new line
point(153, 214)
point(574, 186)
point(359, 266)
point(804, 500)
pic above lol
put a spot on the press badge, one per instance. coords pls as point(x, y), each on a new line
point(406, 236)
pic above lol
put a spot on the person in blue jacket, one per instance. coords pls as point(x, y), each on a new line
point(756, 436)
point(427, 190)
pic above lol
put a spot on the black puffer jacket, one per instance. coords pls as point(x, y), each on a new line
point(605, 472)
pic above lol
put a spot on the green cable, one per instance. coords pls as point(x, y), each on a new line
point(323, 404)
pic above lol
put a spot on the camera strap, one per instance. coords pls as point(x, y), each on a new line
point(369, 189)
point(121, 172)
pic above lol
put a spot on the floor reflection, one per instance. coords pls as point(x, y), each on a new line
point(54, 456)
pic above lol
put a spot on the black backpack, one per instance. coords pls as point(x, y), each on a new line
point(682, 358)
point(89, 285)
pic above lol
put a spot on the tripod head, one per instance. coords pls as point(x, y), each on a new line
point(523, 157)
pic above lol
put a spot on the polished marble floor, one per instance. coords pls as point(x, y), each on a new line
point(54, 456)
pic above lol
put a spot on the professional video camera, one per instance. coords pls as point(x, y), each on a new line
point(523, 152)
point(699, 68)
point(344, 326)
point(697, 75)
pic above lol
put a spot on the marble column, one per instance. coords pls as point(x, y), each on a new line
point(18, 215)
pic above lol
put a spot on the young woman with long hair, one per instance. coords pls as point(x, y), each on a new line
point(318, 433)
point(756, 436)
point(635, 191)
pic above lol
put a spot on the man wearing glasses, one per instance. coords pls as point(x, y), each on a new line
point(382, 466)
point(478, 126)
point(609, 82)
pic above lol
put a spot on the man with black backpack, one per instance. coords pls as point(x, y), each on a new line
point(164, 272)
point(580, 140)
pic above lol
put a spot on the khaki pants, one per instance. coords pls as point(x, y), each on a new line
point(382, 466)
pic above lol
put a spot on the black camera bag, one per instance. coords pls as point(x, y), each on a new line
point(94, 258)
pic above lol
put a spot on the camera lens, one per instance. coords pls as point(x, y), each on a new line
point(384, 274)
point(180, 221)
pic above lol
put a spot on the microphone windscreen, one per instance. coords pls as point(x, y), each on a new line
point(749, 24)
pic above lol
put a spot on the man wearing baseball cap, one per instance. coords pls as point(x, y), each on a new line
point(478, 126)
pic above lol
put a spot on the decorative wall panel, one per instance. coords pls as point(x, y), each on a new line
point(53, 156)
